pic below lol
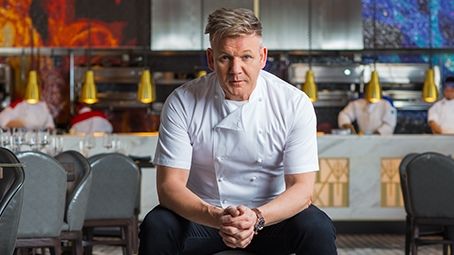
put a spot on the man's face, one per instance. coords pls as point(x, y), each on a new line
point(237, 62)
point(449, 92)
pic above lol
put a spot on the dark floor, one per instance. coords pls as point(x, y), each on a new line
point(348, 244)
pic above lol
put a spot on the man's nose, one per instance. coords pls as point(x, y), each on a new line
point(236, 66)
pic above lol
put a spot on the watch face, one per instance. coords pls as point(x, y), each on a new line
point(260, 224)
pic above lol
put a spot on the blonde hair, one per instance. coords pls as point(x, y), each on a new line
point(225, 22)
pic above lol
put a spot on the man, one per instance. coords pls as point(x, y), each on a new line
point(372, 118)
point(236, 157)
point(441, 114)
point(20, 114)
point(88, 120)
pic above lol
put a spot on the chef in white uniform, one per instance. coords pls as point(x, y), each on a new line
point(20, 114)
point(236, 157)
point(88, 120)
point(372, 118)
point(441, 115)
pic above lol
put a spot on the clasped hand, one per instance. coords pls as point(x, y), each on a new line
point(237, 226)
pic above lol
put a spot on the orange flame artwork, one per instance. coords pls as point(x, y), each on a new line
point(72, 23)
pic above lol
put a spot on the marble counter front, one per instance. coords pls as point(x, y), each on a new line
point(358, 177)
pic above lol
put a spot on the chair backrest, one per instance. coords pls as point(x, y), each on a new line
point(44, 196)
point(430, 178)
point(78, 188)
point(11, 197)
point(115, 187)
point(403, 180)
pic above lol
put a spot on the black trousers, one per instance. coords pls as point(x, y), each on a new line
point(309, 232)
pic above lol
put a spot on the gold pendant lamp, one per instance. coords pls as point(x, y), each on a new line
point(32, 94)
point(201, 73)
point(429, 89)
point(147, 90)
point(309, 86)
point(373, 88)
point(88, 91)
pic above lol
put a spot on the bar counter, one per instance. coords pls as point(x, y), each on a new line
point(358, 177)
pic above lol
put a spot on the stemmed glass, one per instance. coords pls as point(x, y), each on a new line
point(56, 144)
point(5, 138)
point(88, 143)
point(31, 139)
point(18, 139)
point(108, 141)
point(43, 137)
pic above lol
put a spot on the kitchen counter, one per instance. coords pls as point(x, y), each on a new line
point(358, 177)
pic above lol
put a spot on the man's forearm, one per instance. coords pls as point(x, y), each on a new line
point(294, 199)
point(174, 195)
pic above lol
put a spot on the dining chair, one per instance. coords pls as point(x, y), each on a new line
point(43, 208)
point(112, 200)
point(429, 179)
point(11, 196)
point(78, 189)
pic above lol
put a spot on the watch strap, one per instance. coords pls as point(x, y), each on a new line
point(260, 223)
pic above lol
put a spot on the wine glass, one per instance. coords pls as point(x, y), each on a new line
point(88, 143)
point(18, 139)
point(43, 137)
point(56, 144)
point(107, 141)
point(31, 139)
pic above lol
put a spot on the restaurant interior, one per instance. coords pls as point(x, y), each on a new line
point(129, 56)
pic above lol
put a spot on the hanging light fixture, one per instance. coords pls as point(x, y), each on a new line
point(309, 87)
point(373, 88)
point(88, 93)
point(429, 89)
point(32, 93)
point(147, 90)
point(201, 73)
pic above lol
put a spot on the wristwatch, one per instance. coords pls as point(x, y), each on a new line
point(260, 223)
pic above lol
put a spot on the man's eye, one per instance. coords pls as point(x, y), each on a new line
point(224, 58)
point(247, 57)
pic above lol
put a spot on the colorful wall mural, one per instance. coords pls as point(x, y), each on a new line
point(74, 23)
point(410, 24)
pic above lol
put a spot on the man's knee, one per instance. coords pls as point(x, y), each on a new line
point(161, 230)
point(314, 222)
point(157, 221)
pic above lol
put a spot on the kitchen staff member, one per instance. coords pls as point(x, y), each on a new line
point(20, 114)
point(372, 118)
point(441, 115)
point(88, 120)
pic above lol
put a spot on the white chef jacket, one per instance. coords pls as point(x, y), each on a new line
point(33, 116)
point(442, 112)
point(92, 124)
point(371, 117)
point(238, 154)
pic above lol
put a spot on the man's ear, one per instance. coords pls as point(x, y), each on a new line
point(263, 56)
point(210, 60)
